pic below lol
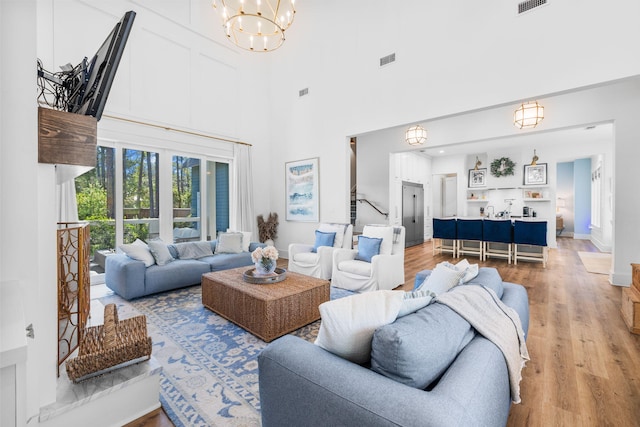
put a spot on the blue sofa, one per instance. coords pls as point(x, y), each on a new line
point(130, 278)
point(301, 384)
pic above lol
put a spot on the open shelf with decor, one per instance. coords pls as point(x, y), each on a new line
point(477, 195)
point(535, 194)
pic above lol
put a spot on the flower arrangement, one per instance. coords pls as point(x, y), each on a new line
point(265, 259)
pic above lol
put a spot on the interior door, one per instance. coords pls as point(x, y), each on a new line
point(449, 195)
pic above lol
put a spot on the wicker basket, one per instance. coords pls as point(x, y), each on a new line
point(114, 345)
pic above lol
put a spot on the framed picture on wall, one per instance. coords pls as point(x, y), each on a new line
point(302, 190)
point(477, 178)
point(535, 174)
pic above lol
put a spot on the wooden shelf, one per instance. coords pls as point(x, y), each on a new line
point(66, 138)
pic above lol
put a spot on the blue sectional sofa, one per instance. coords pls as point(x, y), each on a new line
point(301, 384)
point(130, 278)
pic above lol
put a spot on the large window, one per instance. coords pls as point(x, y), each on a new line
point(155, 193)
point(95, 195)
point(140, 195)
point(186, 199)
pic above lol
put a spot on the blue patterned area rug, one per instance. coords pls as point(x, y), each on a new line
point(210, 365)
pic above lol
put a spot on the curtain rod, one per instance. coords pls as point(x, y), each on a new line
point(175, 130)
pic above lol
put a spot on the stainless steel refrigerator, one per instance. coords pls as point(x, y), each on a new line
point(413, 213)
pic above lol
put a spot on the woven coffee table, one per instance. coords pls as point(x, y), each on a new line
point(267, 311)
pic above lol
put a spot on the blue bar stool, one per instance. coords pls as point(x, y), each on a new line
point(470, 237)
point(498, 238)
point(444, 230)
point(530, 241)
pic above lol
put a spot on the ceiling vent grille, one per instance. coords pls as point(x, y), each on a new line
point(385, 60)
point(530, 4)
point(303, 92)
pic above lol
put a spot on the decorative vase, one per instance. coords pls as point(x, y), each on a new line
point(266, 266)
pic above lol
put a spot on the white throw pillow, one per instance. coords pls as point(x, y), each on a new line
point(229, 243)
point(246, 238)
point(384, 232)
point(348, 323)
point(139, 251)
point(339, 229)
point(160, 252)
point(441, 279)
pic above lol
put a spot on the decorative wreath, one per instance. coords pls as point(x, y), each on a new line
point(502, 167)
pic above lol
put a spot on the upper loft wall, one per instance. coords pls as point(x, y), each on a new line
point(450, 57)
point(178, 71)
point(177, 68)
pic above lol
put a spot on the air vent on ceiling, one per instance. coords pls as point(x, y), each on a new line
point(303, 92)
point(385, 60)
point(530, 4)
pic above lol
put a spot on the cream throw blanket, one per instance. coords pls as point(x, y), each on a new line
point(500, 324)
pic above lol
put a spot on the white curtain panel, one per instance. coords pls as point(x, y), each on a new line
point(67, 208)
point(244, 186)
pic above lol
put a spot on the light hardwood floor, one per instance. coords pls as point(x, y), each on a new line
point(585, 365)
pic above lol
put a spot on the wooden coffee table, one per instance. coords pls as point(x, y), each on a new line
point(267, 311)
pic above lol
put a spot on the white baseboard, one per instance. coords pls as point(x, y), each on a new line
point(601, 246)
point(623, 280)
point(578, 236)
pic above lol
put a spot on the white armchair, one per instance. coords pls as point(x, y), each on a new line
point(303, 260)
point(385, 271)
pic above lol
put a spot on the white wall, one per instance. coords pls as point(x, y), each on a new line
point(177, 72)
point(451, 59)
point(27, 216)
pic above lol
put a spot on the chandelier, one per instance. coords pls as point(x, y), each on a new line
point(415, 135)
point(256, 25)
point(528, 115)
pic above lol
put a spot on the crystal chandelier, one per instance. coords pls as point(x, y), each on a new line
point(256, 25)
point(415, 135)
point(528, 115)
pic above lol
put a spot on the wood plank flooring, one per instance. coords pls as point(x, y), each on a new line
point(585, 365)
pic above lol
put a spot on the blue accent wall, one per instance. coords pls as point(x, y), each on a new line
point(565, 190)
point(222, 196)
point(582, 191)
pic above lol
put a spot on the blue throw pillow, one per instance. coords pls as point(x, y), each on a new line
point(323, 239)
point(368, 247)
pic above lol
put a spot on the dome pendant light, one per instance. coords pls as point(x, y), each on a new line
point(528, 115)
point(415, 135)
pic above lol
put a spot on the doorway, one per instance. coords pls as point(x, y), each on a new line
point(445, 195)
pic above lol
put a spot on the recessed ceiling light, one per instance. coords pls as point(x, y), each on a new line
point(441, 151)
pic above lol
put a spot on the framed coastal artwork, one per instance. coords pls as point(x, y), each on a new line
point(535, 174)
point(303, 195)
